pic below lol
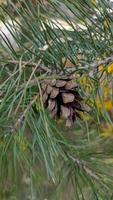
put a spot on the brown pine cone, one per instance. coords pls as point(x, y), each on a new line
point(62, 99)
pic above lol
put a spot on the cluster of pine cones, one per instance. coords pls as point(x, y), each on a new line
point(62, 99)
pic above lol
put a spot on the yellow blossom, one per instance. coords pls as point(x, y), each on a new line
point(110, 68)
point(83, 80)
point(108, 105)
point(101, 68)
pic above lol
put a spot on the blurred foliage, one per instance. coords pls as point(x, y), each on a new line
point(39, 157)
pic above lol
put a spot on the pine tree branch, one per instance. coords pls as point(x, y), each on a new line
point(95, 64)
point(27, 64)
point(102, 62)
point(82, 164)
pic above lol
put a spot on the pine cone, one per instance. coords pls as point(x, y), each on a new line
point(62, 99)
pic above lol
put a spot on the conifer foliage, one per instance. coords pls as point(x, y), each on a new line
point(56, 100)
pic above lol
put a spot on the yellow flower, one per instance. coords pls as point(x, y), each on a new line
point(110, 68)
point(101, 68)
point(83, 80)
point(108, 105)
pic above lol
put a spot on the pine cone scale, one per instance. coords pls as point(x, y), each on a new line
point(54, 92)
point(44, 97)
point(49, 89)
point(68, 97)
point(70, 85)
point(51, 104)
point(60, 83)
point(65, 111)
point(62, 99)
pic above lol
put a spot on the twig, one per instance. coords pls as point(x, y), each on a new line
point(82, 164)
point(27, 63)
point(93, 65)
point(102, 62)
